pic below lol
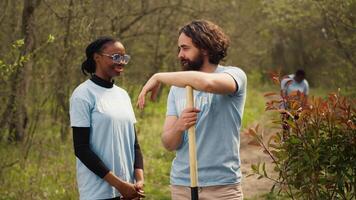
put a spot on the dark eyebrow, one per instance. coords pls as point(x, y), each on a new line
point(183, 46)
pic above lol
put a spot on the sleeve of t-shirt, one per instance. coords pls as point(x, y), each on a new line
point(171, 108)
point(284, 83)
point(306, 89)
point(79, 112)
point(239, 76)
point(131, 108)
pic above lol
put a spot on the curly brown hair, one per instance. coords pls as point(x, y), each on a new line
point(208, 36)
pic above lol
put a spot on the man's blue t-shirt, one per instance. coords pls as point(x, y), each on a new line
point(109, 114)
point(217, 133)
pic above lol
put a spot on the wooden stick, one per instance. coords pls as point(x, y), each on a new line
point(192, 149)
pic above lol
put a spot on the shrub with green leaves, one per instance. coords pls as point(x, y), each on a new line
point(315, 156)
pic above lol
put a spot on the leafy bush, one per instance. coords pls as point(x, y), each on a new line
point(315, 152)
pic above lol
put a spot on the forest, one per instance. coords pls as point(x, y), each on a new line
point(43, 45)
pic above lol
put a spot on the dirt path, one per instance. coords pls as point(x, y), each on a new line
point(254, 188)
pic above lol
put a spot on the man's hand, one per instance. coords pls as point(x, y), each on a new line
point(153, 86)
point(187, 119)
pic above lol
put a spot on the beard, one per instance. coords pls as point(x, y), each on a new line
point(194, 64)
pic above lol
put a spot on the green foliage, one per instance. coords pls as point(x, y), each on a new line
point(317, 36)
point(16, 59)
point(18, 44)
point(254, 107)
point(315, 152)
point(51, 38)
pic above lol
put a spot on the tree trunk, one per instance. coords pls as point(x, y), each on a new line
point(20, 83)
point(62, 93)
point(278, 52)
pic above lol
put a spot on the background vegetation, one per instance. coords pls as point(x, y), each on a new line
point(313, 154)
point(42, 47)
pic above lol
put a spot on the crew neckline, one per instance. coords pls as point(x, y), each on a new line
point(101, 82)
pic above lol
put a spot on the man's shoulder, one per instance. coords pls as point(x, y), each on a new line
point(288, 77)
point(287, 80)
point(231, 69)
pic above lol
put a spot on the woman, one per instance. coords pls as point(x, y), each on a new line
point(109, 159)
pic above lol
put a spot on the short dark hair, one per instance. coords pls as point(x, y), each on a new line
point(89, 65)
point(208, 36)
point(300, 73)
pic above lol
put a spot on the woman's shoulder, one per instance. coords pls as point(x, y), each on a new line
point(82, 89)
point(121, 91)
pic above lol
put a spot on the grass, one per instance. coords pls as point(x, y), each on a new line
point(156, 159)
point(47, 172)
point(254, 107)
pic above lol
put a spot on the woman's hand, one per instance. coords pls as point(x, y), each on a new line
point(139, 181)
point(139, 187)
point(129, 191)
point(126, 189)
point(153, 86)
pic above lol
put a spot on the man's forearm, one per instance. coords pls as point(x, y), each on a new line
point(220, 83)
point(198, 80)
point(172, 139)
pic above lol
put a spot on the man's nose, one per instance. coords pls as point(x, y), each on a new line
point(180, 54)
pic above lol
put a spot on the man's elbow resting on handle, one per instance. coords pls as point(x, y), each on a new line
point(207, 86)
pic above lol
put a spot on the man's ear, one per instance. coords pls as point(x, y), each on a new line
point(204, 52)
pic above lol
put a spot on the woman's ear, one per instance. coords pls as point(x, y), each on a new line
point(96, 57)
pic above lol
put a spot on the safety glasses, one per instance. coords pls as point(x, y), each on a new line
point(117, 58)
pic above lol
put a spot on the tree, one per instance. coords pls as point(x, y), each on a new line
point(16, 111)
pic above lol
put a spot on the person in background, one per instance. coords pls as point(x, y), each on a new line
point(294, 83)
point(294, 88)
point(109, 158)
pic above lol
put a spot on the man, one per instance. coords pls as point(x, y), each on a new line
point(294, 83)
point(219, 95)
point(294, 91)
